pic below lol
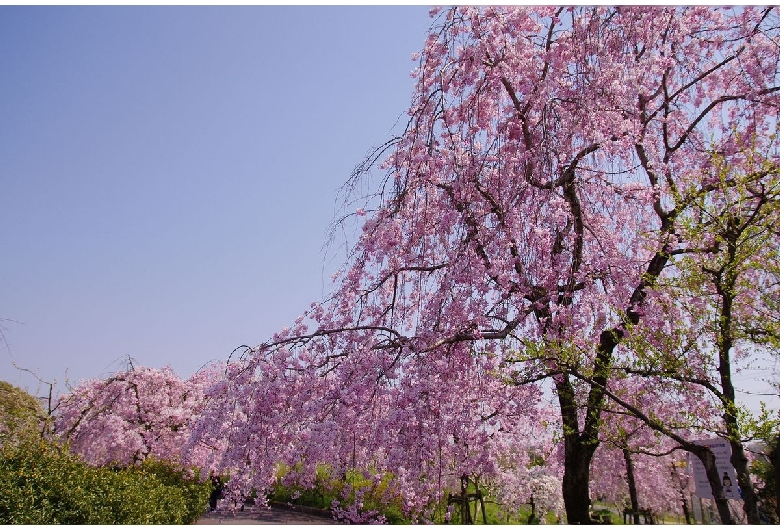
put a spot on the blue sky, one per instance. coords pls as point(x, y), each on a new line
point(167, 174)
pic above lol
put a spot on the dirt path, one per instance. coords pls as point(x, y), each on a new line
point(262, 516)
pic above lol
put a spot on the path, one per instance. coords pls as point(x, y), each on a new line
point(252, 515)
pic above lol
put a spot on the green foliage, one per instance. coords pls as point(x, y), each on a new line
point(194, 492)
point(329, 487)
point(320, 496)
point(21, 415)
point(44, 484)
point(766, 489)
point(603, 514)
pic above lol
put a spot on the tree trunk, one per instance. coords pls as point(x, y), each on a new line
point(465, 509)
point(579, 445)
point(578, 454)
point(686, 511)
point(725, 282)
point(631, 485)
point(749, 498)
point(738, 458)
point(576, 496)
point(683, 497)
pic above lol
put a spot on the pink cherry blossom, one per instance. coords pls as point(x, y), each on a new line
point(526, 213)
point(131, 415)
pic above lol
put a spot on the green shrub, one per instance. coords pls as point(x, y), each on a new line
point(192, 493)
point(329, 487)
point(44, 484)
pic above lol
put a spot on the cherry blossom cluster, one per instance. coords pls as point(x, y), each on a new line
point(131, 415)
point(418, 431)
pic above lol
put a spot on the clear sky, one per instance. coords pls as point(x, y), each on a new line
point(167, 174)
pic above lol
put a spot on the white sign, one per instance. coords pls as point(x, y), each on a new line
point(722, 451)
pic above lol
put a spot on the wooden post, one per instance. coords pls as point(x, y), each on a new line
point(465, 511)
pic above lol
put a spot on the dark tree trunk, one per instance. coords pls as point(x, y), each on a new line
point(578, 453)
point(576, 495)
point(749, 498)
point(686, 511)
point(579, 445)
point(631, 485)
point(738, 458)
point(725, 281)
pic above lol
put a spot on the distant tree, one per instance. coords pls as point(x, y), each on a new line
point(129, 416)
point(522, 484)
point(21, 414)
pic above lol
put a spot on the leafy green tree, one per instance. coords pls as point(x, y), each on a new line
point(21, 415)
point(733, 272)
point(721, 303)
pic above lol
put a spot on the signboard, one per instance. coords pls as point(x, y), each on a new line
point(722, 451)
